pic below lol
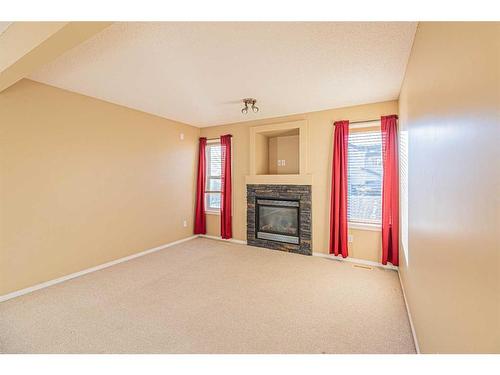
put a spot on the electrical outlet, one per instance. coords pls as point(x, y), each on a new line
point(350, 238)
point(181, 136)
point(185, 223)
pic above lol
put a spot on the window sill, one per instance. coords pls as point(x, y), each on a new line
point(212, 212)
point(362, 226)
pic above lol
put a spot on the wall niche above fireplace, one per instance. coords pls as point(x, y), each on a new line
point(279, 217)
point(278, 154)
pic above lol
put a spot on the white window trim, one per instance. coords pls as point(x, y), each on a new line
point(356, 225)
point(209, 211)
point(212, 212)
point(364, 226)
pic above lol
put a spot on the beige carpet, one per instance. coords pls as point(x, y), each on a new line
point(206, 296)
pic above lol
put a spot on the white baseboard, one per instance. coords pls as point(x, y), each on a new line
point(218, 238)
point(413, 332)
point(356, 260)
point(59, 280)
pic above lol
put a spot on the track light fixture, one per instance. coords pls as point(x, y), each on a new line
point(249, 102)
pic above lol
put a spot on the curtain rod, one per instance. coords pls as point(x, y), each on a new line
point(350, 123)
point(360, 122)
point(216, 138)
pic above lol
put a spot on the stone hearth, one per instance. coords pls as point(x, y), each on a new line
point(301, 193)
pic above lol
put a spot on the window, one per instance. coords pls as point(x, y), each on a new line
point(213, 183)
point(364, 177)
point(403, 189)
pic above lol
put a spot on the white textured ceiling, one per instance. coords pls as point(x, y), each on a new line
point(197, 73)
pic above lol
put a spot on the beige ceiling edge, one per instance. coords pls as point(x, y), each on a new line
point(19, 38)
point(33, 44)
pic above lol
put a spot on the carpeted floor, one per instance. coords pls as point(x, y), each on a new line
point(206, 296)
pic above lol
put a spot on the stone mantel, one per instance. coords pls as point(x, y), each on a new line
point(279, 179)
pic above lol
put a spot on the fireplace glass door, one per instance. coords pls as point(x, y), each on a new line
point(278, 220)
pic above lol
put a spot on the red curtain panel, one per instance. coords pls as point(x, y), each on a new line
point(338, 204)
point(200, 225)
point(226, 210)
point(390, 190)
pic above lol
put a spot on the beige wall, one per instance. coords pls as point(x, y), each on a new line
point(366, 244)
point(83, 182)
point(27, 46)
point(284, 148)
point(273, 155)
point(449, 109)
point(262, 150)
point(22, 37)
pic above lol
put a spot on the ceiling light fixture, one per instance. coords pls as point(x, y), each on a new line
point(251, 102)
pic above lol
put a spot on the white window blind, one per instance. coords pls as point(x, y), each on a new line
point(213, 183)
point(364, 177)
point(403, 189)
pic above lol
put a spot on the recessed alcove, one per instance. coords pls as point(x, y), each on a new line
point(278, 153)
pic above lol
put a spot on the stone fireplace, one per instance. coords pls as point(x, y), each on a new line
point(279, 217)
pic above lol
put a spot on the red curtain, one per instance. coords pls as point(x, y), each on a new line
point(338, 204)
point(390, 190)
point(200, 225)
point(226, 210)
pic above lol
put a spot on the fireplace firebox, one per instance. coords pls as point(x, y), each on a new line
point(279, 217)
point(278, 220)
